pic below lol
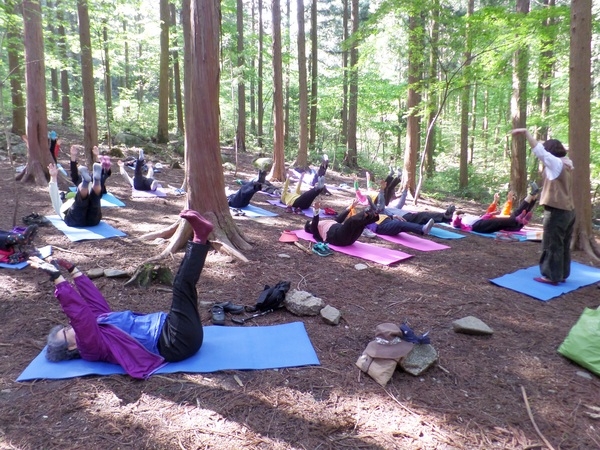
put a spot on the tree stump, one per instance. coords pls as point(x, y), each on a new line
point(150, 273)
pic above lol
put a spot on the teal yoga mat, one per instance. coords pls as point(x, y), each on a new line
point(100, 231)
point(523, 281)
point(224, 348)
point(107, 201)
point(255, 211)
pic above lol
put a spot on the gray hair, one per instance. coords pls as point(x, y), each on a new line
point(58, 348)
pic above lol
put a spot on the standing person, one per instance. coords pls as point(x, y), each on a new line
point(140, 343)
point(559, 208)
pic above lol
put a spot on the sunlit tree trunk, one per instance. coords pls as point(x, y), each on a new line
point(580, 123)
point(288, 50)
point(351, 157)
point(413, 101)
point(278, 170)
point(38, 154)
point(302, 158)
point(344, 113)
point(107, 77)
point(465, 104)
point(518, 167)
point(14, 44)
point(240, 134)
point(162, 133)
point(432, 100)
point(90, 120)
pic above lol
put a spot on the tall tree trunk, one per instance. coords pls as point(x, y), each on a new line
point(518, 167)
point(50, 48)
point(302, 158)
point(240, 134)
point(204, 177)
point(127, 67)
point(260, 104)
point(162, 133)
point(580, 123)
point(176, 74)
point(65, 89)
point(90, 120)
point(252, 82)
point(465, 104)
point(351, 157)
point(344, 113)
point(288, 50)
point(38, 154)
point(107, 79)
point(14, 44)
point(412, 104)
point(314, 76)
point(546, 71)
point(278, 170)
point(432, 99)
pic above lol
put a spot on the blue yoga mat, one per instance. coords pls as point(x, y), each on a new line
point(100, 231)
point(107, 201)
point(255, 211)
point(44, 253)
point(445, 234)
point(224, 348)
point(523, 281)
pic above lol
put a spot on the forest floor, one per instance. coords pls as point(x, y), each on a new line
point(472, 399)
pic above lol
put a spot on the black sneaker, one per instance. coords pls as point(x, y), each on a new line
point(35, 219)
point(450, 211)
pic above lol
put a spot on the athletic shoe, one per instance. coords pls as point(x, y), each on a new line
point(321, 249)
point(427, 227)
point(368, 234)
point(449, 211)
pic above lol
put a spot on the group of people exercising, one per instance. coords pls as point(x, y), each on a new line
point(143, 343)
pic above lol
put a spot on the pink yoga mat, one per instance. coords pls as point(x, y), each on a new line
point(412, 241)
point(369, 252)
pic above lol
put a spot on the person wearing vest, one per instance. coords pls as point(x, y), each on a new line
point(559, 208)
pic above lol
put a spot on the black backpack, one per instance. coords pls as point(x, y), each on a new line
point(272, 297)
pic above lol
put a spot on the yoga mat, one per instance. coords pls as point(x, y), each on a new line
point(522, 281)
point(107, 201)
point(518, 236)
point(445, 234)
point(255, 211)
point(224, 348)
point(369, 252)
point(412, 241)
point(159, 192)
point(44, 253)
point(100, 231)
point(308, 212)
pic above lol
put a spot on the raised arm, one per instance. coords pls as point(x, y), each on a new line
point(53, 188)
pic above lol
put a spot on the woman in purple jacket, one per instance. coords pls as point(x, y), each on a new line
point(140, 343)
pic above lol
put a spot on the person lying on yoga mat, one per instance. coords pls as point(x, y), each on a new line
point(559, 208)
point(390, 225)
point(104, 161)
point(85, 210)
point(490, 223)
point(139, 181)
point(140, 343)
point(342, 230)
point(12, 243)
point(298, 200)
point(241, 198)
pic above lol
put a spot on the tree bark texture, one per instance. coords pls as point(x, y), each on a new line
point(241, 125)
point(351, 158)
point(14, 44)
point(278, 170)
point(162, 132)
point(302, 157)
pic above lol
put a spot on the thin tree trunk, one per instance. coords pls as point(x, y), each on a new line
point(278, 170)
point(314, 76)
point(241, 125)
point(176, 74)
point(162, 133)
point(465, 104)
point(14, 43)
point(260, 104)
point(65, 88)
point(344, 118)
point(351, 157)
point(301, 159)
point(90, 120)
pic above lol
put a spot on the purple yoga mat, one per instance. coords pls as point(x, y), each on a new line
point(369, 252)
point(411, 241)
point(159, 192)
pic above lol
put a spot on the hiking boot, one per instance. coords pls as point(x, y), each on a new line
point(449, 211)
point(368, 234)
point(35, 218)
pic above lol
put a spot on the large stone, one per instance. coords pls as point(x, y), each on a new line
point(130, 140)
point(331, 315)
point(115, 273)
point(263, 163)
point(302, 303)
point(420, 358)
point(96, 272)
point(471, 325)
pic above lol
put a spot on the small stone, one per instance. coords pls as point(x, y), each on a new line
point(94, 273)
point(115, 273)
point(471, 325)
point(583, 374)
point(361, 266)
point(331, 315)
point(284, 256)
